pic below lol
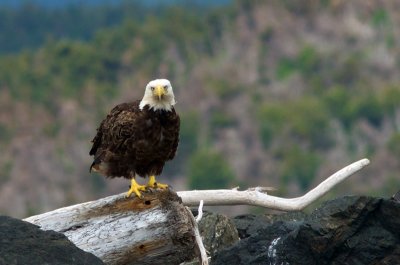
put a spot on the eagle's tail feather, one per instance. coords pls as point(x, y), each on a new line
point(95, 166)
point(92, 166)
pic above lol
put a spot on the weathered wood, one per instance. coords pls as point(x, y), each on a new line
point(119, 230)
point(202, 254)
point(257, 196)
point(158, 229)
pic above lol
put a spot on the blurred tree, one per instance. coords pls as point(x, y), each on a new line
point(5, 132)
point(390, 97)
point(188, 143)
point(380, 18)
point(222, 119)
point(367, 106)
point(307, 62)
point(223, 88)
point(309, 122)
point(272, 119)
point(5, 171)
point(394, 144)
point(209, 170)
point(299, 165)
point(337, 99)
point(303, 120)
point(36, 24)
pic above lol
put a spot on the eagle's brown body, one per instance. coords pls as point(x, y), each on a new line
point(131, 141)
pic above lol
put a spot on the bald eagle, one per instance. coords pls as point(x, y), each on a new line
point(137, 138)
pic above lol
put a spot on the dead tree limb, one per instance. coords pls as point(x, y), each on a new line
point(257, 197)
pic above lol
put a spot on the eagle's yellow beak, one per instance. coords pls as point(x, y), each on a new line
point(159, 92)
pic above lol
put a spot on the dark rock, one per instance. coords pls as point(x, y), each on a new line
point(250, 224)
point(396, 196)
point(349, 230)
point(217, 231)
point(23, 243)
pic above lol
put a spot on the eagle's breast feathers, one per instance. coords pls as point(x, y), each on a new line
point(134, 140)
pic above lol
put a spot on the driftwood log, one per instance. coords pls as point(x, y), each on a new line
point(155, 230)
point(159, 229)
point(258, 196)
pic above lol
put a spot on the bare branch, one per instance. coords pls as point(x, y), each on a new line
point(200, 212)
point(257, 198)
point(199, 241)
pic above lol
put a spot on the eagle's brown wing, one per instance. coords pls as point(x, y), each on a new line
point(112, 131)
point(97, 140)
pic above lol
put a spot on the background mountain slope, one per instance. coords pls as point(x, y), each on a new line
point(271, 93)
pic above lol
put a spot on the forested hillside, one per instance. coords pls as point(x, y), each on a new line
point(32, 23)
point(272, 93)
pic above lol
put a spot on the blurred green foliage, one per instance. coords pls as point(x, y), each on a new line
point(390, 98)
point(223, 88)
point(36, 24)
point(294, 129)
point(222, 119)
point(285, 68)
point(367, 106)
point(5, 173)
point(347, 73)
point(390, 186)
point(307, 62)
point(5, 133)
point(97, 183)
point(209, 170)
point(338, 99)
point(380, 17)
point(298, 165)
point(51, 130)
point(62, 69)
point(188, 142)
point(304, 120)
point(272, 119)
point(394, 144)
point(350, 105)
point(309, 121)
point(189, 132)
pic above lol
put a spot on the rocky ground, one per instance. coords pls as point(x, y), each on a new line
point(347, 230)
point(23, 243)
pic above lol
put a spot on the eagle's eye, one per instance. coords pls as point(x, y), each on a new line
point(152, 88)
point(165, 87)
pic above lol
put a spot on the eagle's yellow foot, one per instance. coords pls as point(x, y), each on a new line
point(135, 188)
point(154, 184)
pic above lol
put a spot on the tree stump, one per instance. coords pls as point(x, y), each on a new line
point(154, 230)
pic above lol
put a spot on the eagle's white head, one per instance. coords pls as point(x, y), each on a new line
point(158, 95)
